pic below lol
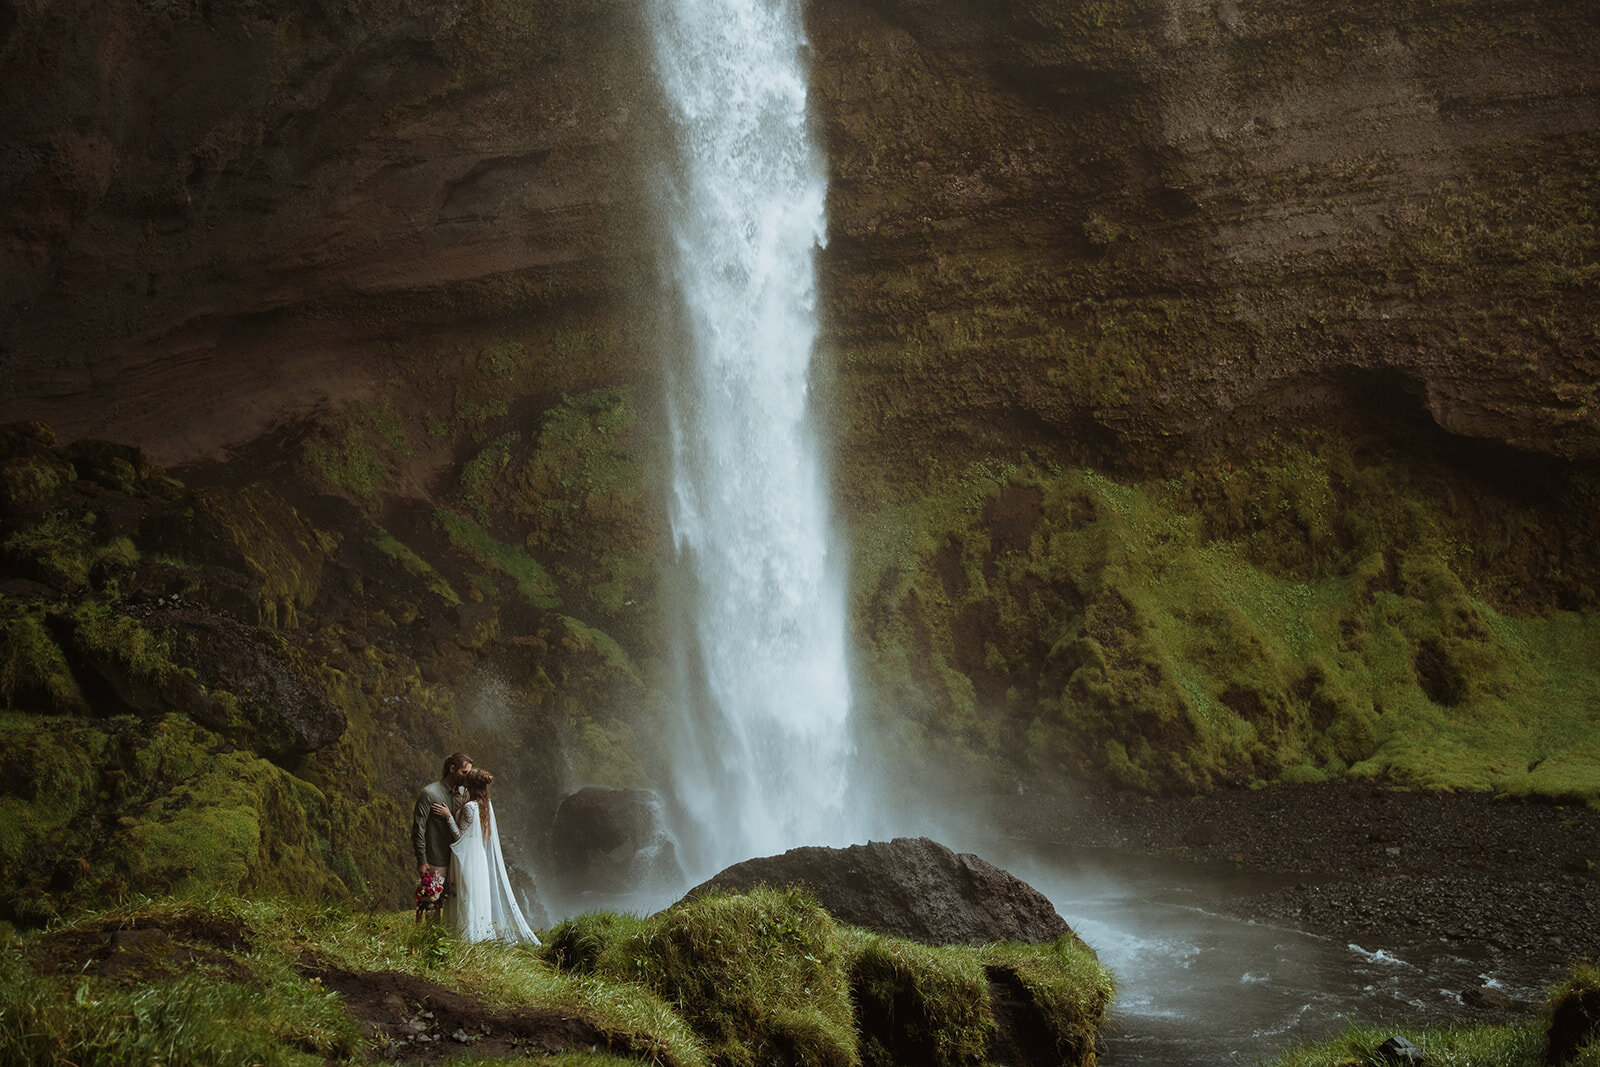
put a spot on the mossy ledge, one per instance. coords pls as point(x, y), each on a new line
point(725, 980)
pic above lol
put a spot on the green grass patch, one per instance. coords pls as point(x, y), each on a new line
point(533, 583)
point(1468, 1046)
point(416, 566)
point(1067, 983)
point(769, 970)
point(726, 979)
point(479, 474)
point(348, 466)
point(194, 1019)
point(259, 1006)
point(917, 1004)
point(34, 674)
point(1557, 1031)
point(58, 549)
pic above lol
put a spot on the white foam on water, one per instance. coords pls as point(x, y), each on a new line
point(1380, 957)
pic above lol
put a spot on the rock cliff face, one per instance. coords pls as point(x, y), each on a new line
point(1125, 222)
point(220, 216)
point(1114, 221)
point(1210, 386)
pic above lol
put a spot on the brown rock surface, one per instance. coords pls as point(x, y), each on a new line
point(1121, 225)
point(1136, 222)
point(219, 217)
point(913, 888)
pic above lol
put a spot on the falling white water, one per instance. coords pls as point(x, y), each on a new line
point(764, 743)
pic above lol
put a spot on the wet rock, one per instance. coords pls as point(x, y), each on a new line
point(913, 888)
point(1398, 1050)
point(252, 685)
point(613, 840)
point(1487, 998)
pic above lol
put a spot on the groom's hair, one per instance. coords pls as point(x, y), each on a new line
point(454, 762)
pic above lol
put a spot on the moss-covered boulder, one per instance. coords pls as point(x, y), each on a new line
point(769, 974)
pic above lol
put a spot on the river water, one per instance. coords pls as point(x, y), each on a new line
point(1196, 985)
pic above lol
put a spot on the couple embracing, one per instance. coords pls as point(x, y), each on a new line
point(457, 845)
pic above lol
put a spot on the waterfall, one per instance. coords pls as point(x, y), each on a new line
point(763, 748)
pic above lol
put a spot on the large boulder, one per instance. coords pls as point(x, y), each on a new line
point(911, 887)
point(613, 841)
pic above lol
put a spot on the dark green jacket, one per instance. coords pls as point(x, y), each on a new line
point(430, 833)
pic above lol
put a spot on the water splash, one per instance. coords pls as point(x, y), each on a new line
point(764, 747)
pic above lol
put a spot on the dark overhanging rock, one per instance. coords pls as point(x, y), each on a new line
point(911, 888)
point(613, 841)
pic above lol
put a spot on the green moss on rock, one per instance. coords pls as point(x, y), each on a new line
point(756, 975)
point(1101, 629)
point(34, 674)
point(532, 582)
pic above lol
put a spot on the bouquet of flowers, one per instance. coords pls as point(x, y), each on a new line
point(430, 893)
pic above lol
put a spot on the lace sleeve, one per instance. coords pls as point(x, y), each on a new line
point(464, 820)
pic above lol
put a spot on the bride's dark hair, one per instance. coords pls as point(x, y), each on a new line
point(478, 783)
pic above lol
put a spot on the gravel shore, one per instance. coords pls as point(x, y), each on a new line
point(1511, 882)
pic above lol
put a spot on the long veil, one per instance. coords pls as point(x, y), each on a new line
point(505, 918)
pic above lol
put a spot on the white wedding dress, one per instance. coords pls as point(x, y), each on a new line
point(482, 908)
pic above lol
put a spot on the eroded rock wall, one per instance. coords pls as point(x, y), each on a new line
point(221, 216)
point(1122, 222)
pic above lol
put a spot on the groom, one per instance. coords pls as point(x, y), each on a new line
point(430, 833)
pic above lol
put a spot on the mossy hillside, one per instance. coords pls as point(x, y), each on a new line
point(542, 553)
point(541, 559)
point(313, 672)
point(96, 811)
point(452, 596)
point(529, 579)
point(104, 803)
point(560, 478)
point(416, 566)
point(584, 494)
point(249, 550)
point(163, 801)
point(1094, 628)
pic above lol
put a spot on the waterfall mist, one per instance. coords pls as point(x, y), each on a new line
point(762, 753)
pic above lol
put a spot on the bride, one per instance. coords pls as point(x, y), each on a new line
point(481, 907)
